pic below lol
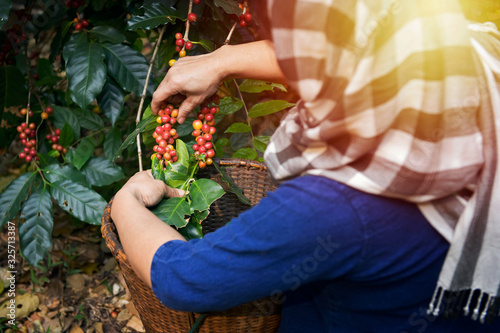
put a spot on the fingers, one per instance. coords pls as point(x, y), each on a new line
point(168, 191)
point(173, 192)
point(161, 95)
point(186, 107)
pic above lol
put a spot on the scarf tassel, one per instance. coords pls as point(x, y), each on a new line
point(474, 303)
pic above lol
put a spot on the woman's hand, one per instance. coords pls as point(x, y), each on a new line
point(147, 190)
point(189, 82)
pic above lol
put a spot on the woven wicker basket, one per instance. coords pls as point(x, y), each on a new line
point(253, 179)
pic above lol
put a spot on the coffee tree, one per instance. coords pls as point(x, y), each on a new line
point(75, 76)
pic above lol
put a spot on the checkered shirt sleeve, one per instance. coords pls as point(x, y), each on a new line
point(389, 97)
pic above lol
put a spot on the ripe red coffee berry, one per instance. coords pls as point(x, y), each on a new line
point(200, 141)
point(247, 17)
point(178, 35)
point(79, 26)
point(209, 117)
point(189, 45)
point(85, 23)
point(196, 2)
point(49, 109)
point(179, 42)
point(57, 131)
point(205, 128)
point(22, 155)
point(192, 17)
point(243, 23)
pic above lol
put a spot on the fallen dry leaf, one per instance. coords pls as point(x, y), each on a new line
point(136, 324)
point(76, 281)
point(25, 304)
point(75, 329)
point(98, 328)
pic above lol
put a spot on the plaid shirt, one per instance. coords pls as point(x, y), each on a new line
point(389, 99)
point(401, 98)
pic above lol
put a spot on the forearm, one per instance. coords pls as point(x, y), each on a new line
point(255, 60)
point(141, 232)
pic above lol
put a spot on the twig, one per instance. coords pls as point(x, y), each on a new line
point(228, 39)
point(188, 24)
point(230, 33)
point(246, 110)
point(143, 97)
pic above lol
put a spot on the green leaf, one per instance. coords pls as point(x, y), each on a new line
point(173, 211)
point(156, 168)
point(175, 172)
point(101, 171)
point(89, 120)
point(229, 6)
point(199, 217)
point(14, 194)
point(35, 234)
point(64, 115)
point(70, 46)
point(55, 172)
point(229, 105)
point(245, 153)
point(111, 100)
point(78, 200)
point(182, 153)
point(219, 146)
point(233, 187)
point(5, 6)
point(207, 45)
point(203, 192)
point(107, 34)
point(141, 127)
point(261, 142)
point(269, 107)
point(67, 135)
point(238, 128)
point(86, 72)
point(83, 152)
point(185, 129)
point(46, 74)
point(192, 231)
point(128, 67)
point(112, 142)
point(46, 159)
point(154, 15)
point(256, 86)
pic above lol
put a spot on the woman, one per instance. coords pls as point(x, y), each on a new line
point(388, 158)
